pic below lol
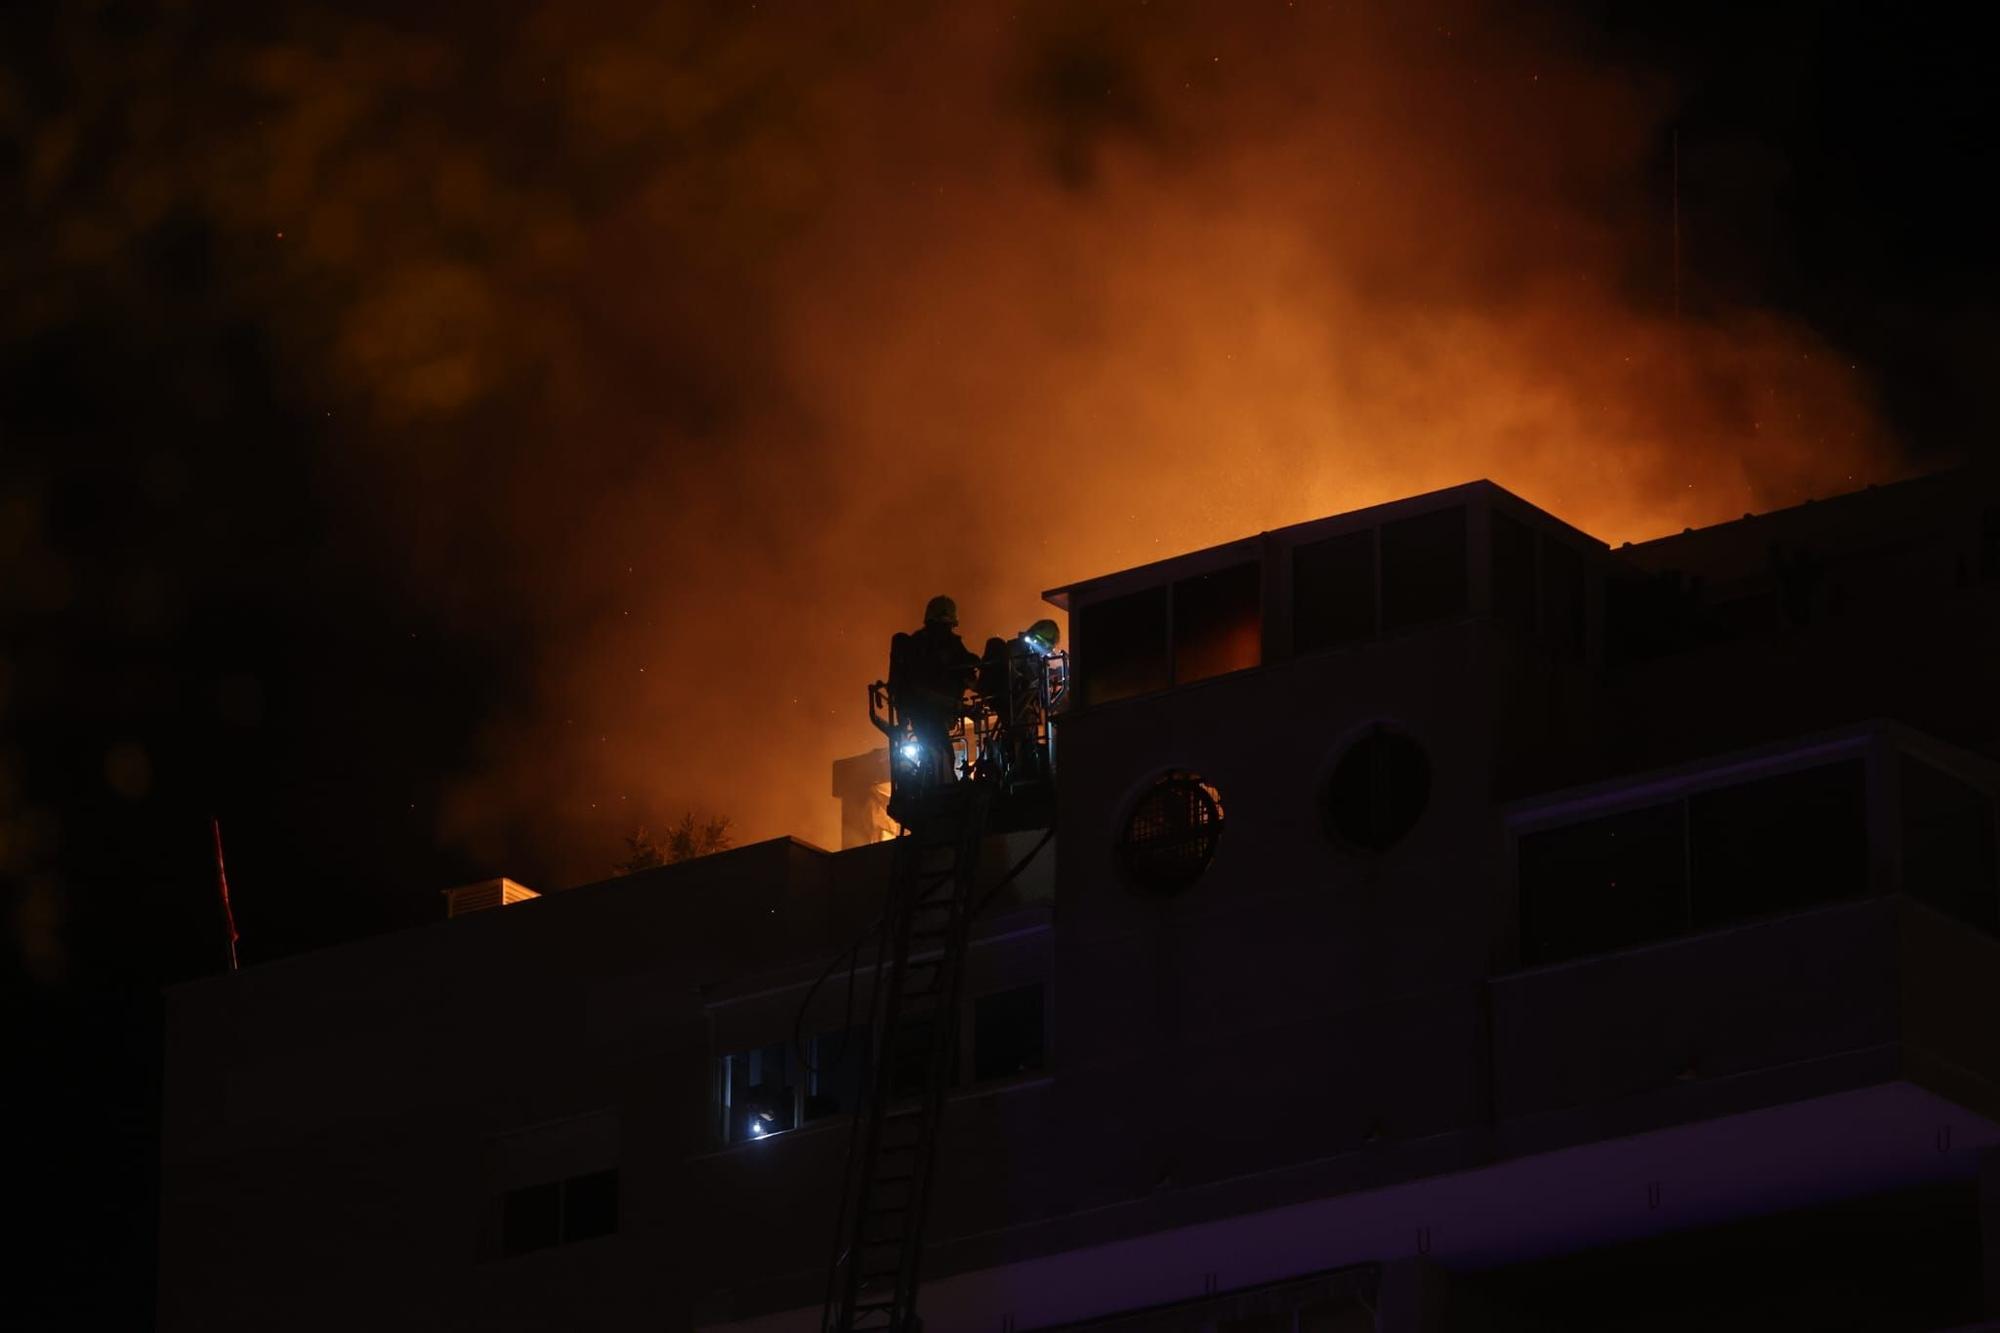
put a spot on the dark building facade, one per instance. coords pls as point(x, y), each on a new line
point(1454, 924)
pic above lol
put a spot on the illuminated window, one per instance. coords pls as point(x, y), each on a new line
point(1218, 623)
point(768, 1090)
point(1122, 646)
point(1171, 834)
point(758, 1093)
point(762, 1094)
point(1377, 791)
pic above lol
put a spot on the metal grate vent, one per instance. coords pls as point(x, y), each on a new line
point(1171, 834)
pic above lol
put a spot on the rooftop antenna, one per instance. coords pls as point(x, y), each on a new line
point(222, 884)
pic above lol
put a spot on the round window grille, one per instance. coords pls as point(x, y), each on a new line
point(1171, 835)
point(1378, 791)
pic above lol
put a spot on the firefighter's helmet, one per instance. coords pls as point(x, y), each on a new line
point(941, 611)
point(1044, 635)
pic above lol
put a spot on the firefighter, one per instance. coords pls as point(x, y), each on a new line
point(1010, 683)
point(929, 672)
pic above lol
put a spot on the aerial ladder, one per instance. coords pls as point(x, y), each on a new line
point(873, 1284)
point(920, 954)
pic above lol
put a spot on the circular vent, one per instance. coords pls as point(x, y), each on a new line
point(1171, 835)
point(1378, 790)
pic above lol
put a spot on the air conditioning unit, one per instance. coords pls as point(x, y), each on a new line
point(486, 893)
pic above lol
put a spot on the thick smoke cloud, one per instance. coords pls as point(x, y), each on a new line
point(696, 349)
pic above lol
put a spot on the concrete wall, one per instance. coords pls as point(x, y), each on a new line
point(1307, 1026)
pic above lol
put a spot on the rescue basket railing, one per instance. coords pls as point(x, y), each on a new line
point(1005, 732)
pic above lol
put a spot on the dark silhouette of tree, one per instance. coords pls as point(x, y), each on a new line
point(693, 836)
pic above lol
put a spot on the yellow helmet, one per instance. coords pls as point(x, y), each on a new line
point(1046, 634)
point(941, 611)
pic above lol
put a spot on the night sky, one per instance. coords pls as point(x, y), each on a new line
point(438, 446)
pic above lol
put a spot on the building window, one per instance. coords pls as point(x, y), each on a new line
point(530, 1218)
point(535, 1217)
point(1948, 857)
point(1005, 1039)
point(1218, 623)
point(1604, 884)
point(1423, 568)
point(1171, 834)
point(758, 1093)
point(1708, 859)
point(839, 1071)
point(1377, 791)
point(912, 1053)
point(1562, 598)
point(1123, 646)
point(769, 1089)
point(590, 1206)
point(1777, 844)
point(1007, 1034)
point(1514, 581)
point(1333, 592)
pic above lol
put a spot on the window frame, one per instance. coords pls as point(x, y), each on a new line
point(1875, 746)
point(963, 1080)
point(561, 1235)
point(1166, 585)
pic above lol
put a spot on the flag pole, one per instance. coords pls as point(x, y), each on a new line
point(222, 884)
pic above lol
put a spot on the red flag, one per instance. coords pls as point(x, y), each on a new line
point(222, 883)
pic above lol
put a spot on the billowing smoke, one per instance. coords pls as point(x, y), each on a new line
point(699, 349)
